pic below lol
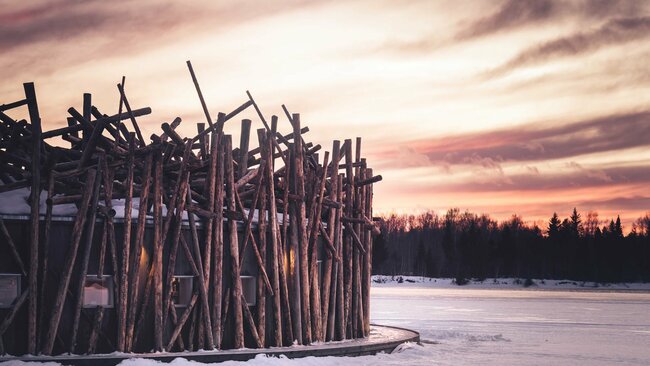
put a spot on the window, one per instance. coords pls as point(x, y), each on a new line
point(9, 289)
point(249, 288)
point(98, 291)
point(182, 287)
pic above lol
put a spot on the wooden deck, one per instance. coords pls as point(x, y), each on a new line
point(381, 339)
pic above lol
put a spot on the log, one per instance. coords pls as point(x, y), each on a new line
point(367, 181)
point(356, 240)
point(227, 117)
point(198, 91)
point(74, 128)
point(134, 278)
point(203, 291)
point(276, 259)
point(340, 281)
point(367, 267)
point(247, 177)
point(234, 246)
point(315, 223)
point(90, 230)
point(175, 123)
point(181, 322)
point(12, 247)
point(347, 244)
point(217, 275)
point(144, 304)
point(251, 323)
point(126, 249)
point(94, 333)
point(286, 267)
point(44, 266)
point(273, 140)
point(262, 237)
point(32, 278)
point(243, 147)
point(302, 230)
point(294, 267)
point(157, 253)
point(120, 87)
point(77, 230)
point(12, 313)
point(175, 240)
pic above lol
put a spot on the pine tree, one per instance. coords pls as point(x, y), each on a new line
point(618, 229)
point(553, 226)
point(576, 223)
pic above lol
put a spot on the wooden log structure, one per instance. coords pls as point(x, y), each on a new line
point(178, 243)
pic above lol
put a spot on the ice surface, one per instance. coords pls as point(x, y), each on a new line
point(502, 326)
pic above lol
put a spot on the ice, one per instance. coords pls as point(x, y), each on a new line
point(497, 326)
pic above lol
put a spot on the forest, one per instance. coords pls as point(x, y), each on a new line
point(465, 245)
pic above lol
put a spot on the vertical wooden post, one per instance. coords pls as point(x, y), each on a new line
point(30, 96)
point(262, 236)
point(77, 231)
point(301, 220)
point(315, 222)
point(286, 266)
point(87, 105)
point(126, 247)
point(217, 275)
point(45, 256)
point(327, 272)
point(175, 241)
point(276, 259)
point(203, 291)
point(340, 290)
point(356, 213)
point(367, 268)
point(244, 142)
point(84, 262)
point(347, 244)
point(294, 260)
point(134, 281)
point(234, 247)
point(158, 252)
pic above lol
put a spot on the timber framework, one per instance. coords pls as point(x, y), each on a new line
point(114, 242)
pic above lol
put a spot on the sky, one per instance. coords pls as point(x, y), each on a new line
point(524, 107)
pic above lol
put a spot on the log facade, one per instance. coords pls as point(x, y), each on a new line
point(115, 242)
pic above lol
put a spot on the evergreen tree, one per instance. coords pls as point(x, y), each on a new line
point(553, 226)
point(618, 229)
point(576, 223)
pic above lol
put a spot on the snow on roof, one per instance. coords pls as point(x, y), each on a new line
point(16, 203)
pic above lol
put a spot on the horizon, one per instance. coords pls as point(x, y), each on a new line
point(510, 107)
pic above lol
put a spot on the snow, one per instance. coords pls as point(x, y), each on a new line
point(492, 325)
point(506, 283)
point(16, 202)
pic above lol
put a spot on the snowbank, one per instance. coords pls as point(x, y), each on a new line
point(507, 283)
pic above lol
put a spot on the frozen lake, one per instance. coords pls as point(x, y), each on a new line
point(469, 326)
point(517, 326)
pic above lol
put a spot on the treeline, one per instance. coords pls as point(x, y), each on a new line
point(464, 245)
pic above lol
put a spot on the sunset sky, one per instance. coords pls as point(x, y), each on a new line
point(498, 107)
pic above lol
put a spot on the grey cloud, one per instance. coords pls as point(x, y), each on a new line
point(575, 178)
point(518, 13)
point(613, 32)
point(531, 143)
point(511, 14)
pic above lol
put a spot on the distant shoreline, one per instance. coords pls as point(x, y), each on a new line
point(510, 283)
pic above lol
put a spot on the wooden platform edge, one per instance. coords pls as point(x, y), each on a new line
point(349, 348)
